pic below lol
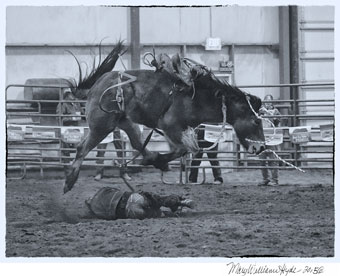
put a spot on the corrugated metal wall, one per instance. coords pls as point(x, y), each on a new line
point(234, 24)
point(37, 42)
point(79, 25)
point(316, 45)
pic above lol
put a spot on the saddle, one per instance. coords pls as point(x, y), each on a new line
point(174, 66)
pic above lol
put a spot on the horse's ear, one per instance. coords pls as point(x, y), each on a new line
point(219, 93)
point(176, 62)
point(255, 101)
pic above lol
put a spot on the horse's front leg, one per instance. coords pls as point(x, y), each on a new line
point(181, 141)
point(135, 137)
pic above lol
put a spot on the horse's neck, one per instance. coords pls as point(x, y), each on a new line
point(209, 109)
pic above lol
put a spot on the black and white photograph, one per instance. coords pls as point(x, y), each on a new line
point(191, 131)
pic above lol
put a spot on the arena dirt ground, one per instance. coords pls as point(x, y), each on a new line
point(237, 218)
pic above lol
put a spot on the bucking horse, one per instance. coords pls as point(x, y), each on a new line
point(175, 98)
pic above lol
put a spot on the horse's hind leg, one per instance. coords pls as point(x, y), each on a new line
point(93, 138)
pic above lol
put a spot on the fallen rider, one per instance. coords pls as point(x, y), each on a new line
point(112, 203)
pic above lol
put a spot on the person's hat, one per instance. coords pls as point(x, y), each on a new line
point(268, 97)
point(67, 90)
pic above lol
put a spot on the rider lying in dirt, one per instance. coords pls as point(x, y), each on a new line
point(111, 203)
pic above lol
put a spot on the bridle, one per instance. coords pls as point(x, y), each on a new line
point(260, 118)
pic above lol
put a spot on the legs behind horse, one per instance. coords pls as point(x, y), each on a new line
point(212, 155)
point(264, 170)
point(271, 163)
point(194, 171)
point(100, 154)
point(215, 164)
point(117, 141)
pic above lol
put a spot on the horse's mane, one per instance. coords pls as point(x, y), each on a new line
point(232, 89)
point(221, 83)
point(226, 85)
point(87, 80)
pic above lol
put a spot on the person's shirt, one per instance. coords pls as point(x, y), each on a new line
point(270, 112)
point(68, 108)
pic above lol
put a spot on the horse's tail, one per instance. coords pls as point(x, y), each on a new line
point(84, 84)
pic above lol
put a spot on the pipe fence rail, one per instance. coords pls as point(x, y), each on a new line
point(37, 139)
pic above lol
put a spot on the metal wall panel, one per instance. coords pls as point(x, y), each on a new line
point(159, 25)
point(257, 65)
point(237, 24)
point(36, 44)
point(318, 40)
point(316, 43)
point(318, 13)
point(65, 25)
point(234, 24)
point(194, 24)
point(318, 70)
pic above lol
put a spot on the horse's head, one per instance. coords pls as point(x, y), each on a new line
point(242, 108)
point(242, 114)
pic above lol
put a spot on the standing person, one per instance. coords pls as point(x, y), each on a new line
point(69, 108)
point(212, 155)
point(117, 141)
point(268, 109)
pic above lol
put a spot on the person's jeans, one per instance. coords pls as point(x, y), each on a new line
point(118, 145)
point(212, 159)
point(66, 153)
point(270, 163)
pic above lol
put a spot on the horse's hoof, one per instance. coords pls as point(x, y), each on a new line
point(164, 167)
point(66, 188)
point(71, 178)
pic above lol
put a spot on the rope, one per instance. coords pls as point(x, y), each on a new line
point(284, 161)
point(271, 138)
point(146, 61)
point(147, 140)
point(260, 118)
point(126, 182)
point(194, 91)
